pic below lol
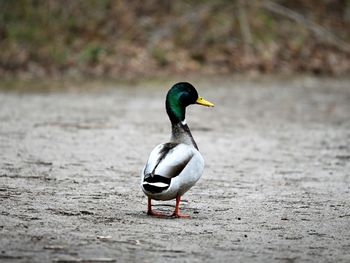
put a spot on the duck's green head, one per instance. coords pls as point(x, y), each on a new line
point(180, 96)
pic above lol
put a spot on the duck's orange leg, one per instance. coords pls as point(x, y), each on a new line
point(149, 210)
point(176, 212)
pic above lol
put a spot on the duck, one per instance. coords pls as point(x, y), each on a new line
point(175, 166)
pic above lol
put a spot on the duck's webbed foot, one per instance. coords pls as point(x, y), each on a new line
point(177, 210)
point(150, 212)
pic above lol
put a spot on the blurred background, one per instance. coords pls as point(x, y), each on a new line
point(137, 39)
point(276, 186)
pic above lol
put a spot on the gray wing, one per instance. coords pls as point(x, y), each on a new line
point(168, 160)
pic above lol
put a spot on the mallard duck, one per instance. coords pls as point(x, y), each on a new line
point(174, 167)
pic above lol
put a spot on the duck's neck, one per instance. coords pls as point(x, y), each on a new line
point(180, 133)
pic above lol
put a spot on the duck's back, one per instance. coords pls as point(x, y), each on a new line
point(171, 170)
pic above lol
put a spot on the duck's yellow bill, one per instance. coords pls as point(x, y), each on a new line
point(204, 102)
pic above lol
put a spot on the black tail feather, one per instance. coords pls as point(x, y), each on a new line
point(150, 181)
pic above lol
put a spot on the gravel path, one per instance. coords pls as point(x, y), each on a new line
point(276, 186)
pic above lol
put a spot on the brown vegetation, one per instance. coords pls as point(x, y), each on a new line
point(148, 38)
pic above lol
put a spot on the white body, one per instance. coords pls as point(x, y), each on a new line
point(182, 155)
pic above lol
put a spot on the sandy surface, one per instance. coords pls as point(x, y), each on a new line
point(276, 186)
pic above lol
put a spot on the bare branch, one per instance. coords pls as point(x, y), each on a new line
point(245, 27)
point(320, 32)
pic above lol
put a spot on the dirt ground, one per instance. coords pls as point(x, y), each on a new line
point(276, 186)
